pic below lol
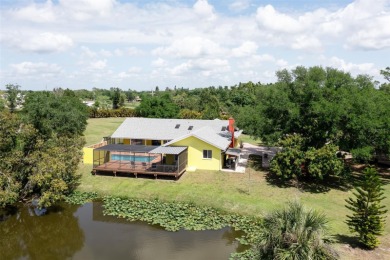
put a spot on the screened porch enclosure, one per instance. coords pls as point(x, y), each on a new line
point(140, 159)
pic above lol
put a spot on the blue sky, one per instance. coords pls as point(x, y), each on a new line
point(142, 44)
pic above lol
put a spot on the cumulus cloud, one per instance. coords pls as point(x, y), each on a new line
point(245, 49)
point(159, 63)
point(269, 18)
point(38, 69)
point(306, 42)
point(204, 10)
point(39, 13)
point(42, 43)
point(87, 52)
point(87, 9)
point(98, 65)
point(354, 68)
point(190, 47)
point(239, 5)
point(131, 72)
point(203, 66)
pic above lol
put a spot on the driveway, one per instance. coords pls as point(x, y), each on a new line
point(254, 149)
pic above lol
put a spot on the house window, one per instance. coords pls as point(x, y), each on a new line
point(137, 141)
point(156, 142)
point(207, 154)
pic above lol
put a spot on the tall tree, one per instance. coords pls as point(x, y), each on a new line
point(386, 73)
point(13, 98)
point(40, 152)
point(367, 217)
point(115, 97)
point(63, 114)
point(158, 107)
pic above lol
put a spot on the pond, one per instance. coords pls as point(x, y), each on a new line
point(83, 232)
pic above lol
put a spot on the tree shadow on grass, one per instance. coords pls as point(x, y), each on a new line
point(352, 241)
point(255, 162)
point(314, 186)
point(343, 183)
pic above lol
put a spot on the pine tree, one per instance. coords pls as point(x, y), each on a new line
point(367, 219)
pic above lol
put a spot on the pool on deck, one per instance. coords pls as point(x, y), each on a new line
point(135, 158)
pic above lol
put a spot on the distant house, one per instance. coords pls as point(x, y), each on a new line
point(138, 99)
point(164, 146)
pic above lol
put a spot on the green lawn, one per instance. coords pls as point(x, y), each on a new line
point(248, 193)
point(248, 139)
point(97, 128)
point(132, 104)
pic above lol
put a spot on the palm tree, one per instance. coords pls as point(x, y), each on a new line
point(295, 233)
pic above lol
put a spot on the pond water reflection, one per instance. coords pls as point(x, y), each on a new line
point(82, 232)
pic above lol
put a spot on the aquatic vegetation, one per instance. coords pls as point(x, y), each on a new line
point(175, 216)
point(188, 216)
point(79, 198)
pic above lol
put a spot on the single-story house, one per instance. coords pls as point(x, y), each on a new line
point(187, 144)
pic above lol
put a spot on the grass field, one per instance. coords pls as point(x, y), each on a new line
point(97, 128)
point(249, 139)
point(249, 193)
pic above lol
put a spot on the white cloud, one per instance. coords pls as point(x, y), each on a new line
point(204, 10)
point(372, 35)
point(354, 68)
point(306, 42)
point(40, 13)
point(105, 53)
point(190, 47)
point(159, 63)
point(39, 69)
point(239, 5)
point(98, 65)
point(133, 71)
point(268, 18)
point(88, 9)
point(118, 52)
point(203, 66)
point(133, 51)
point(245, 49)
point(42, 43)
point(88, 52)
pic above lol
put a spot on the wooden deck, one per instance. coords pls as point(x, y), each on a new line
point(115, 166)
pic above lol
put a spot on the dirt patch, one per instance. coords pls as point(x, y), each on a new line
point(348, 251)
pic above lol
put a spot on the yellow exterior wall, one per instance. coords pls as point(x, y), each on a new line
point(126, 141)
point(195, 154)
point(88, 155)
point(148, 142)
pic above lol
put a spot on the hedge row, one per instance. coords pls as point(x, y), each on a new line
point(120, 112)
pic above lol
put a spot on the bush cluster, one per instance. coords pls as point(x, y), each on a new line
point(120, 112)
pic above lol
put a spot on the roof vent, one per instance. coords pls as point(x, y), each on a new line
point(177, 126)
point(190, 127)
point(223, 128)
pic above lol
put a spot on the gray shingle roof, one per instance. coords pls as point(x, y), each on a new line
point(209, 131)
point(163, 129)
